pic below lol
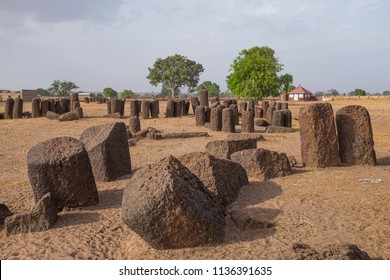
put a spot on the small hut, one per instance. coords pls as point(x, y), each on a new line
point(300, 94)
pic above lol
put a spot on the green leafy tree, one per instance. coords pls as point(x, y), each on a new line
point(212, 88)
point(109, 92)
point(286, 82)
point(62, 88)
point(43, 92)
point(360, 92)
point(175, 72)
point(167, 92)
point(254, 73)
point(127, 93)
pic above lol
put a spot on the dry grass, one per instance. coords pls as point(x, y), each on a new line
point(314, 206)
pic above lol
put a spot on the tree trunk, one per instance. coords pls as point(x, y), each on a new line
point(173, 91)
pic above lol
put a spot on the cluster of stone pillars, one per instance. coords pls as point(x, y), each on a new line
point(147, 109)
point(13, 108)
point(322, 145)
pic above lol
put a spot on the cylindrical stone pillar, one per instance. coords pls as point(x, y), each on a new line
point(234, 108)
point(278, 118)
point(9, 108)
point(18, 108)
point(248, 122)
point(44, 107)
point(200, 116)
point(145, 109)
point(216, 119)
point(154, 108)
point(204, 98)
point(134, 112)
point(228, 121)
point(134, 124)
point(170, 110)
point(36, 108)
point(194, 103)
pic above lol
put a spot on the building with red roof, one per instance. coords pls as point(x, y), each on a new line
point(297, 94)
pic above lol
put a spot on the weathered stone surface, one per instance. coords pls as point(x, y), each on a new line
point(269, 114)
point(108, 150)
point(355, 137)
point(52, 105)
point(9, 108)
point(344, 251)
point(228, 122)
point(216, 119)
point(75, 105)
point(154, 109)
point(134, 109)
point(134, 124)
point(194, 103)
point(61, 166)
point(36, 107)
point(284, 105)
point(52, 116)
point(116, 115)
point(259, 112)
point(178, 108)
point(44, 107)
point(79, 112)
point(248, 122)
point(200, 116)
point(4, 213)
point(279, 129)
point(227, 103)
point(214, 99)
point(18, 108)
point(186, 108)
point(262, 164)
point(169, 207)
point(222, 177)
point(245, 136)
point(264, 106)
point(234, 108)
point(175, 135)
point(58, 108)
point(207, 113)
point(170, 110)
point(261, 123)
point(251, 106)
point(204, 98)
point(278, 118)
point(70, 116)
point(214, 105)
point(145, 109)
point(242, 106)
point(41, 218)
point(278, 106)
point(74, 97)
point(292, 160)
point(224, 148)
point(287, 118)
point(319, 145)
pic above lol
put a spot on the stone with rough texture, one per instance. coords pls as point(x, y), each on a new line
point(145, 109)
point(186, 108)
point(214, 104)
point(170, 110)
point(242, 106)
point(248, 121)
point(178, 108)
point(284, 105)
point(244, 136)
point(44, 107)
point(279, 129)
point(216, 119)
point(355, 137)
point(213, 172)
point(61, 166)
point(269, 114)
point(65, 105)
point(204, 98)
point(116, 115)
point(4, 213)
point(170, 208)
point(108, 150)
point(79, 112)
point(261, 123)
point(134, 108)
point(52, 116)
point(70, 116)
point(319, 144)
point(228, 122)
point(58, 108)
point(154, 109)
point(262, 164)
point(292, 160)
point(278, 118)
point(9, 108)
point(134, 124)
point(36, 107)
point(200, 116)
point(207, 112)
point(18, 108)
point(287, 118)
point(194, 103)
point(224, 148)
point(41, 218)
point(234, 108)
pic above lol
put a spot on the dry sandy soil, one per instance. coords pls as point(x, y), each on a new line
point(312, 206)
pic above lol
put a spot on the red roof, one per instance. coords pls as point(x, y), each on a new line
point(300, 89)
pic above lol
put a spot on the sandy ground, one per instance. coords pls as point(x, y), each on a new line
point(313, 206)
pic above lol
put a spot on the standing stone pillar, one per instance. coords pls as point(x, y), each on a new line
point(76, 104)
point(287, 118)
point(44, 107)
point(356, 143)
point(145, 109)
point(18, 108)
point(154, 109)
point(74, 97)
point(52, 105)
point(178, 108)
point(108, 107)
point(228, 121)
point(200, 116)
point(134, 110)
point(234, 108)
point(265, 106)
point(186, 108)
point(284, 105)
point(204, 98)
point(65, 105)
point(207, 112)
point(36, 108)
point(243, 106)
point(9, 108)
point(248, 122)
point(278, 106)
point(134, 124)
point(170, 110)
point(58, 107)
point(122, 107)
point(226, 103)
point(194, 103)
point(319, 145)
point(216, 119)
point(251, 105)
point(278, 118)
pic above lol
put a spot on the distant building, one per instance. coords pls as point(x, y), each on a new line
point(25, 94)
point(297, 94)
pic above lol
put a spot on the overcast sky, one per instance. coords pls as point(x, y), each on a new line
point(324, 44)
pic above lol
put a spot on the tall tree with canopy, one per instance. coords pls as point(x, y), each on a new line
point(175, 72)
point(254, 73)
point(212, 88)
point(62, 88)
